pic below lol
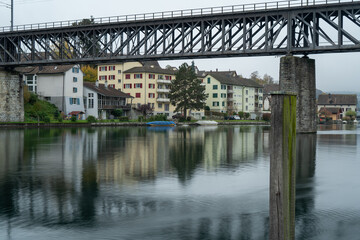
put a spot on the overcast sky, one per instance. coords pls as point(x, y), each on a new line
point(334, 72)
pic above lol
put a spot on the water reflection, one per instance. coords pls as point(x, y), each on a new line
point(306, 221)
point(182, 183)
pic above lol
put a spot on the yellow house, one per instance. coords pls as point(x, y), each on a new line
point(147, 82)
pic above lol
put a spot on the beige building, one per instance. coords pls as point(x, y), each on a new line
point(147, 82)
point(231, 93)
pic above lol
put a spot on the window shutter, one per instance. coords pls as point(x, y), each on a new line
point(70, 101)
point(130, 85)
point(105, 68)
point(140, 85)
point(140, 75)
point(105, 77)
point(78, 101)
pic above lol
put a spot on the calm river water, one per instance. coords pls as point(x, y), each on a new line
point(181, 183)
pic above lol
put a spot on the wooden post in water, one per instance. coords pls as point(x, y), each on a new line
point(282, 166)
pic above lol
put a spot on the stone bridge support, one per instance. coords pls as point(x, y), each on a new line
point(11, 97)
point(298, 75)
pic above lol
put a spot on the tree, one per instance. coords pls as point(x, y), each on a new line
point(90, 73)
point(268, 79)
point(186, 92)
point(88, 43)
point(145, 109)
point(351, 114)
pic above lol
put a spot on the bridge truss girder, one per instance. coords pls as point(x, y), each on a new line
point(306, 30)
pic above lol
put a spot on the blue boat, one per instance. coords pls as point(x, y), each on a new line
point(161, 124)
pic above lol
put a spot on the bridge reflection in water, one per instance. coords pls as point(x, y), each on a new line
point(186, 183)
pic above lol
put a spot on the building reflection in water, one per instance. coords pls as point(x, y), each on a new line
point(56, 177)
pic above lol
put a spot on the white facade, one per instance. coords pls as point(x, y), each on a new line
point(64, 89)
point(91, 98)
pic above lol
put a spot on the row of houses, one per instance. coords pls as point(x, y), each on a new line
point(130, 84)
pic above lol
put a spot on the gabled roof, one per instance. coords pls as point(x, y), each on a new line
point(106, 91)
point(337, 99)
point(331, 110)
point(268, 88)
point(44, 69)
point(230, 78)
point(150, 69)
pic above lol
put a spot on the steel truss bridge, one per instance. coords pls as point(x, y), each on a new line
point(263, 29)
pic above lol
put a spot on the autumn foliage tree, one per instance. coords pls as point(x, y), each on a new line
point(90, 73)
point(186, 92)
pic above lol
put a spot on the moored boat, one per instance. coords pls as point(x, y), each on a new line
point(161, 124)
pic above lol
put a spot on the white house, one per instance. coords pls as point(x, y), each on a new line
point(101, 99)
point(61, 85)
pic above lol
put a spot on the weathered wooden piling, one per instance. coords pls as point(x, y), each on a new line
point(282, 166)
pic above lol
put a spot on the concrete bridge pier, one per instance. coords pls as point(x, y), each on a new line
point(11, 97)
point(298, 75)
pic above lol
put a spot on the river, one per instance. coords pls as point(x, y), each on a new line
point(171, 183)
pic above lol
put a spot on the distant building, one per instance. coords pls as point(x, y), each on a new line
point(100, 100)
point(343, 102)
point(61, 85)
point(231, 93)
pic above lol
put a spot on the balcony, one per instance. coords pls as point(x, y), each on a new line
point(163, 81)
point(163, 90)
point(230, 99)
point(165, 100)
point(230, 91)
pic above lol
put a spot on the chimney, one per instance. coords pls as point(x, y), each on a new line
point(216, 69)
point(106, 84)
point(97, 83)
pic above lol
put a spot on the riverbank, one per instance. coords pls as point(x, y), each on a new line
point(118, 124)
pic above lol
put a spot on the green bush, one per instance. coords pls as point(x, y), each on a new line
point(46, 119)
point(123, 119)
point(140, 118)
point(182, 119)
point(91, 119)
point(60, 119)
point(203, 118)
point(160, 117)
point(188, 118)
point(73, 118)
point(207, 108)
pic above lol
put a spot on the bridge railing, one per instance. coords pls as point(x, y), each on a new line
point(180, 13)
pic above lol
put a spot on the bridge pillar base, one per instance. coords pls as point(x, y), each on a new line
point(298, 75)
point(11, 97)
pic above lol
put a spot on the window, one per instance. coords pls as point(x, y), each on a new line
point(111, 68)
point(74, 79)
point(74, 101)
point(74, 90)
point(151, 76)
point(138, 85)
point(91, 95)
point(127, 76)
point(151, 95)
point(223, 104)
point(127, 85)
point(111, 77)
point(112, 85)
point(223, 95)
point(138, 76)
point(160, 77)
point(151, 85)
point(75, 70)
point(215, 104)
point(102, 78)
point(215, 87)
point(138, 95)
point(247, 108)
point(247, 100)
point(247, 92)
point(103, 68)
point(166, 107)
point(223, 87)
point(168, 77)
point(260, 90)
point(119, 80)
point(215, 95)
point(91, 103)
point(119, 71)
point(260, 105)
point(208, 80)
point(160, 105)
